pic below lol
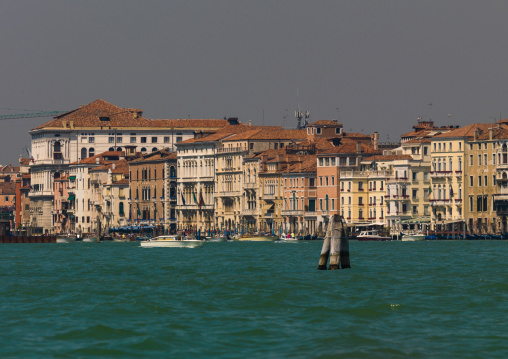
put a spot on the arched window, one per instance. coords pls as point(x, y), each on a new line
point(119, 149)
point(172, 172)
point(91, 152)
point(83, 153)
point(143, 150)
point(154, 149)
point(111, 149)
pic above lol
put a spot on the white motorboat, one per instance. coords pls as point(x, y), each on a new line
point(66, 239)
point(372, 235)
point(173, 240)
point(412, 237)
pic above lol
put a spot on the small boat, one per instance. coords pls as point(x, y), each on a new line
point(90, 239)
point(372, 236)
point(412, 237)
point(286, 238)
point(172, 240)
point(260, 237)
point(66, 239)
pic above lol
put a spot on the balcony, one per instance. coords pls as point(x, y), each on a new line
point(227, 194)
point(250, 212)
point(293, 213)
point(269, 196)
point(397, 180)
point(269, 215)
point(440, 174)
point(440, 202)
point(250, 185)
point(458, 173)
point(310, 214)
point(232, 149)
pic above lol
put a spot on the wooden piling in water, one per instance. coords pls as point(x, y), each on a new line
point(335, 245)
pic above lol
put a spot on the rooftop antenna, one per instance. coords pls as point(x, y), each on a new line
point(299, 115)
point(430, 110)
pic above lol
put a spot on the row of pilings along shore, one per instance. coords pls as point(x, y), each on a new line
point(27, 239)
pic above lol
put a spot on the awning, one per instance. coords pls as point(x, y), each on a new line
point(71, 197)
point(72, 178)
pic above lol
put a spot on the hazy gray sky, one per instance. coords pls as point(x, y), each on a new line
point(380, 62)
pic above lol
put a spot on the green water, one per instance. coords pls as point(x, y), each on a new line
point(254, 300)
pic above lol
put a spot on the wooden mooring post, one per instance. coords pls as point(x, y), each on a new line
point(335, 245)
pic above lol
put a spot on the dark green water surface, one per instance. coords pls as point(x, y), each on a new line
point(431, 299)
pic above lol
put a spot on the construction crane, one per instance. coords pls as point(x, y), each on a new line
point(32, 115)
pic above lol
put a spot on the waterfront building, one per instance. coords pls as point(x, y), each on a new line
point(81, 207)
point(344, 155)
point(230, 173)
point(96, 128)
point(196, 167)
point(300, 194)
point(499, 138)
point(7, 200)
point(108, 193)
point(153, 190)
point(61, 203)
point(22, 216)
point(455, 172)
point(487, 177)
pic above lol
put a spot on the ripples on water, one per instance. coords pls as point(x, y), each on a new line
point(255, 300)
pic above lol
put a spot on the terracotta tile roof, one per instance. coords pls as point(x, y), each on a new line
point(64, 177)
point(9, 168)
point(355, 135)
point(270, 133)
point(121, 166)
point(350, 146)
point(101, 113)
point(161, 155)
point(389, 158)
point(419, 140)
point(325, 123)
point(8, 188)
point(122, 182)
point(220, 134)
point(466, 131)
point(24, 161)
point(498, 133)
point(102, 158)
point(416, 133)
point(309, 164)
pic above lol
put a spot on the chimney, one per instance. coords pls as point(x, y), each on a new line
point(97, 160)
point(64, 123)
point(475, 135)
point(491, 133)
point(375, 140)
point(71, 124)
point(358, 147)
point(113, 165)
point(250, 123)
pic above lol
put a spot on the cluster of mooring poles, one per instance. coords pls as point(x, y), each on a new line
point(335, 246)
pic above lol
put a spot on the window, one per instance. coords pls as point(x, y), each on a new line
point(485, 159)
point(337, 131)
point(318, 130)
point(460, 146)
point(154, 139)
point(133, 139)
point(485, 181)
point(333, 204)
point(143, 139)
point(321, 161)
point(425, 150)
point(91, 139)
point(414, 176)
point(91, 152)
point(493, 158)
point(333, 180)
point(111, 140)
point(470, 160)
point(479, 160)
point(470, 147)
point(166, 139)
point(479, 181)
point(119, 139)
point(450, 146)
point(178, 139)
point(471, 181)
point(320, 180)
point(83, 153)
